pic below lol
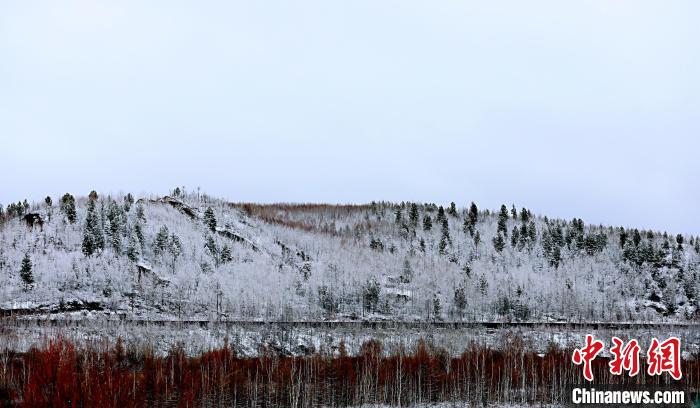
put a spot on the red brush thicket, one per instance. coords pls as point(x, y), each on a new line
point(65, 374)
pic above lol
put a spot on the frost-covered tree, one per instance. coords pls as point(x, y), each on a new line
point(498, 242)
point(413, 215)
point(473, 214)
point(93, 195)
point(209, 219)
point(427, 223)
point(213, 249)
point(437, 308)
point(93, 240)
point(397, 215)
point(174, 249)
point(160, 242)
point(460, 300)
point(453, 209)
point(503, 221)
point(68, 207)
point(117, 225)
point(25, 272)
point(140, 215)
point(226, 255)
point(128, 202)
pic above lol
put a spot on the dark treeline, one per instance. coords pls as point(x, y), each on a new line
point(65, 374)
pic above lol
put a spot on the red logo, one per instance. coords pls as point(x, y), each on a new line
point(665, 357)
point(587, 354)
point(661, 357)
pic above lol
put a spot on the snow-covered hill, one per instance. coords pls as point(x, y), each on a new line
point(173, 258)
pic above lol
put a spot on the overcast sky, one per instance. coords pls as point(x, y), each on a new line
point(588, 109)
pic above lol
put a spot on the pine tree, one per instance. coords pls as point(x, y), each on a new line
point(473, 214)
point(437, 308)
point(446, 230)
point(515, 237)
point(175, 250)
point(422, 245)
point(139, 213)
point(477, 239)
point(427, 223)
point(514, 212)
point(210, 245)
point(128, 202)
point(160, 242)
point(210, 219)
point(68, 207)
point(413, 215)
point(93, 239)
point(440, 215)
point(117, 225)
point(499, 242)
point(453, 209)
point(524, 215)
point(133, 249)
point(460, 299)
point(226, 256)
point(48, 201)
point(25, 272)
point(442, 247)
point(502, 221)
point(93, 195)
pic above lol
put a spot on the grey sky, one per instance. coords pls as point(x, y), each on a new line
point(587, 109)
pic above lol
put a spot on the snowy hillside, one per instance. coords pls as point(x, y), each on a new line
point(189, 256)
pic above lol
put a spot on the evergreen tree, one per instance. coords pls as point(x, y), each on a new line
point(442, 247)
point(397, 215)
point(623, 237)
point(498, 242)
point(440, 215)
point(524, 215)
point(210, 245)
point(453, 209)
point(48, 201)
point(93, 240)
point(407, 274)
point(422, 245)
point(117, 225)
point(473, 214)
point(679, 242)
point(437, 308)
point(427, 223)
point(226, 256)
point(174, 249)
point(93, 195)
point(128, 202)
point(503, 221)
point(460, 299)
point(515, 237)
point(133, 249)
point(139, 213)
point(413, 215)
point(25, 271)
point(446, 230)
point(210, 219)
point(514, 212)
point(160, 242)
point(477, 239)
point(68, 207)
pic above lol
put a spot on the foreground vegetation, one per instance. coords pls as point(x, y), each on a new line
point(62, 373)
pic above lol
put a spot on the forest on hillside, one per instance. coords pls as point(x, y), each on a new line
point(187, 255)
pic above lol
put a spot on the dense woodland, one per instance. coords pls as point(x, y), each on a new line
point(191, 256)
